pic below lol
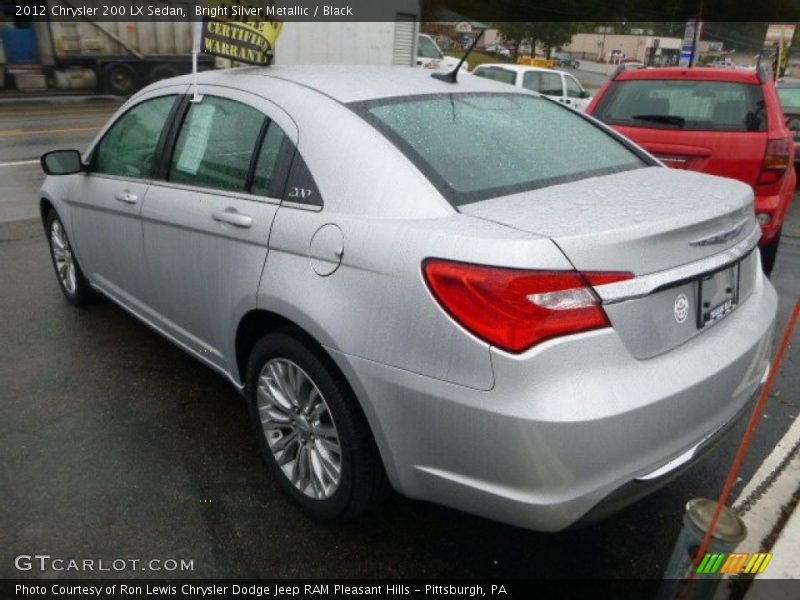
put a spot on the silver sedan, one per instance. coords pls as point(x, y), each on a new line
point(462, 291)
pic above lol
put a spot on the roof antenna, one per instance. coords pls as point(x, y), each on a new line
point(451, 76)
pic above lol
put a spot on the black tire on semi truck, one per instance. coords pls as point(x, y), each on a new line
point(120, 79)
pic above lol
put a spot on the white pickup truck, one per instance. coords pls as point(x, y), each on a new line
point(556, 84)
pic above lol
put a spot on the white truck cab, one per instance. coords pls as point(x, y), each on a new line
point(556, 84)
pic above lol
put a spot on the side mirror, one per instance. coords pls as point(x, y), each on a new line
point(793, 124)
point(585, 94)
point(62, 162)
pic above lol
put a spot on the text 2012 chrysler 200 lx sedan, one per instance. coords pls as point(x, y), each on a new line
point(465, 291)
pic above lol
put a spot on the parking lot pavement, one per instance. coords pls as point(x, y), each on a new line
point(115, 444)
point(30, 128)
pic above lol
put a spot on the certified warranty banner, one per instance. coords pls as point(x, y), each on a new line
point(240, 30)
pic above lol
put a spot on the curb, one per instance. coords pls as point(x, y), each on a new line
point(21, 229)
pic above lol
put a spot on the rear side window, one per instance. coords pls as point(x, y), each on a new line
point(128, 149)
point(497, 74)
point(543, 82)
point(427, 49)
point(687, 105)
point(216, 144)
point(479, 146)
point(266, 177)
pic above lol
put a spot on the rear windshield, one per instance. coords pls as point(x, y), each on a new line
point(479, 146)
point(688, 105)
point(790, 97)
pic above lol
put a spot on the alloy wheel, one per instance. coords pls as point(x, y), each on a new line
point(299, 428)
point(62, 255)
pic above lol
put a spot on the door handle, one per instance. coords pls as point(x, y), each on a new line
point(232, 216)
point(127, 197)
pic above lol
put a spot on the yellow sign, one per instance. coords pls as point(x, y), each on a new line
point(239, 30)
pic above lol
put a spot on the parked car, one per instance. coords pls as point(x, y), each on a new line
point(789, 95)
point(498, 49)
point(557, 85)
point(566, 61)
point(425, 283)
point(724, 122)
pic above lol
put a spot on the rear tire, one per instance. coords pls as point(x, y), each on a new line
point(312, 433)
point(120, 79)
point(70, 277)
point(769, 253)
point(160, 72)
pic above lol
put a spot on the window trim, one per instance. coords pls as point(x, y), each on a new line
point(251, 169)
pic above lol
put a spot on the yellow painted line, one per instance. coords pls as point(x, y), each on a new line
point(15, 132)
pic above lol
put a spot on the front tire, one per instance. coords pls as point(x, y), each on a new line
point(71, 280)
point(312, 433)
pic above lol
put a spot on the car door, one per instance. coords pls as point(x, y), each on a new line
point(207, 220)
point(577, 98)
point(106, 201)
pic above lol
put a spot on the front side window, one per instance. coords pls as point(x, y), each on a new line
point(128, 149)
point(574, 89)
point(685, 105)
point(497, 74)
point(478, 146)
point(216, 144)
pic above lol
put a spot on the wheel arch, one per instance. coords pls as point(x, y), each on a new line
point(257, 323)
point(45, 206)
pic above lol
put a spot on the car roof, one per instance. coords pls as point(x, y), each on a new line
point(517, 68)
point(694, 73)
point(345, 83)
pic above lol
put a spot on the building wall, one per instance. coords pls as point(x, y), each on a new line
point(596, 46)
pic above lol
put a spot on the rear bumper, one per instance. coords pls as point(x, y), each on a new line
point(640, 487)
point(568, 423)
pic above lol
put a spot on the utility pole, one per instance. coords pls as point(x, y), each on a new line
point(696, 32)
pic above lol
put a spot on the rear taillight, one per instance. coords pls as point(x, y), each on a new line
point(776, 161)
point(515, 309)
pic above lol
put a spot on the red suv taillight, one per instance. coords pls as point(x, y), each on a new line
point(776, 161)
point(515, 309)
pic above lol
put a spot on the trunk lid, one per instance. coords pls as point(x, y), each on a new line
point(642, 221)
point(651, 220)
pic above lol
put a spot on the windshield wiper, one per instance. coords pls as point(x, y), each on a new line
point(668, 119)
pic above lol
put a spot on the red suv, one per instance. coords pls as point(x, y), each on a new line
point(725, 122)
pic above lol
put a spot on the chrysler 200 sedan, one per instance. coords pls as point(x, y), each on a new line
point(465, 292)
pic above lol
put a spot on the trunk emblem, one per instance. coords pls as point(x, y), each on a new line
point(720, 237)
point(681, 308)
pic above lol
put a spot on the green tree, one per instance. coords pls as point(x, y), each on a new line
point(548, 34)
